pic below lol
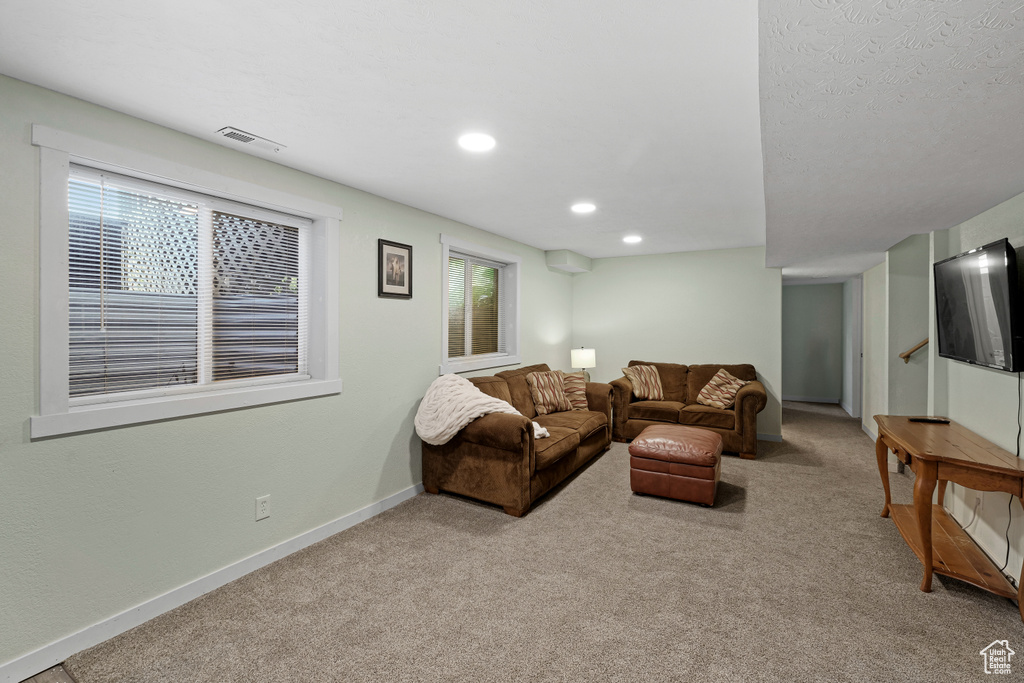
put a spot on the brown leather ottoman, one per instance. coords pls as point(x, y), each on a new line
point(673, 461)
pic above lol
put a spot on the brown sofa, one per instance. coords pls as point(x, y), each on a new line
point(496, 459)
point(681, 384)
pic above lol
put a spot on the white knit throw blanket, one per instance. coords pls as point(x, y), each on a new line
point(451, 403)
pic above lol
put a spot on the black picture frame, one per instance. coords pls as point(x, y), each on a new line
point(394, 270)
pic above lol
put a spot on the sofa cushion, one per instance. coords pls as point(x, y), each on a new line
point(706, 416)
point(550, 449)
point(586, 422)
point(721, 391)
point(673, 379)
point(575, 390)
point(661, 411)
point(492, 386)
point(700, 375)
point(646, 382)
point(548, 392)
point(520, 390)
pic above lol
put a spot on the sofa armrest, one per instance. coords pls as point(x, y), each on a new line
point(599, 398)
point(499, 430)
point(491, 459)
point(622, 390)
point(751, 398)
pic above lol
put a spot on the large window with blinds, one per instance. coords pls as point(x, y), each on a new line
point(167, 290)
point(481, 315)
point(176, 291)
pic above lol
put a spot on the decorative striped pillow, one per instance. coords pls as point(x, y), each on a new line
point(646, 382)
point(575, 390)
point(721, 391)
point(548, 392)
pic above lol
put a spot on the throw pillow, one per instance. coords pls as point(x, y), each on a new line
point(720, 392)
point(646, 382)
point(548, 392)
point(575, 390)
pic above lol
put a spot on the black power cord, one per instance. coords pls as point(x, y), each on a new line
point(1009, 519)
point(1009, 507)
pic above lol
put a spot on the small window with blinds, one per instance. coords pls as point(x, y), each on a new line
point(172, 291)
point(474, 307)
point(481, 315)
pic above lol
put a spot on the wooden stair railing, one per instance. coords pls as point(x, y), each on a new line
point(910, 352)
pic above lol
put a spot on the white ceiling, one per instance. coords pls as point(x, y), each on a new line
point(879, 118)
point(885, 118)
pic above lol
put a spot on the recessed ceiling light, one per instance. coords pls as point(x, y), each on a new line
point(583, 207)
point(632, 239)
point(476, 142)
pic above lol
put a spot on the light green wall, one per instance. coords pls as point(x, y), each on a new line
point(908, 277)
point(896, 317)
point(875, 400)
point(812, 342)
point(983, 400)
point(986, 401)
point(695, 307)
point(940, 247)
point(97, 523)
point(852, 342)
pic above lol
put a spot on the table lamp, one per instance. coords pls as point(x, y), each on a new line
point(583, 359)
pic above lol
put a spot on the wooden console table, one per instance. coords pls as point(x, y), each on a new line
point(940, 453)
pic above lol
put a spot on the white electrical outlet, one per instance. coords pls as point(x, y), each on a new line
point(262, 507)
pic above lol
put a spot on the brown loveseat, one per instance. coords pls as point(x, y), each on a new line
point(681, 384)
point(496, 459)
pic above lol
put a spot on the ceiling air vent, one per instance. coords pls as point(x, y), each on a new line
point(250, 139)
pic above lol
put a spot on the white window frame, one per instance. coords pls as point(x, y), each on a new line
point(57, 151)
point(510, 269)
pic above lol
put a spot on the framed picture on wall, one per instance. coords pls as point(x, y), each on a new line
point(394, 270)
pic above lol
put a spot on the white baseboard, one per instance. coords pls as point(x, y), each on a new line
point(848, 409)
point(56, 652)
point(769, 437)
point(874, 436)
point(810, 399)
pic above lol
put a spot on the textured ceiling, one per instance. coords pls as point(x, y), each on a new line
point(878, 118)
point(885, 119)
point(648, 109)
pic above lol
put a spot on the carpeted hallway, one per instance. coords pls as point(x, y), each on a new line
point(792, 576)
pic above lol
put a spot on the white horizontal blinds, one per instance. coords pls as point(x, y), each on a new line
point(475, 303)
point(456, 306)
point(171, 289)
point(256, 286)
point(133, 286)
point(486, 327)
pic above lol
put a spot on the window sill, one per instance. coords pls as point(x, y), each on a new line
point(107, 415)
point(456, 366)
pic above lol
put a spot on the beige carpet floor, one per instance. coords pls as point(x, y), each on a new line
point(792, 576)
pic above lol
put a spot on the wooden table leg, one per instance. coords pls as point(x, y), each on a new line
point(942, 492)
point(882, 455)
point(924, 486)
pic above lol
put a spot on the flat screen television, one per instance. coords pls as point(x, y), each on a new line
point(977, 307)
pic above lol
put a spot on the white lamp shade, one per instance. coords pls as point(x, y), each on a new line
point(583, 358)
